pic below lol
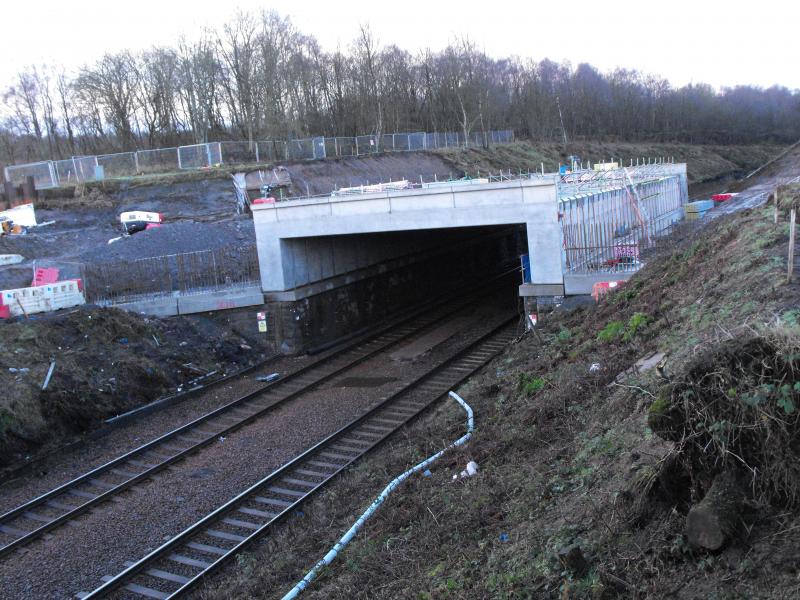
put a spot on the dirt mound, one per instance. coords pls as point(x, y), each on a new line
point(737, 408)
point(106, 362)
point(175, 238)
point(92, 198)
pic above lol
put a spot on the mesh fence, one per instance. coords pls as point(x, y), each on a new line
point(174, 274)
point(118, 165)
point(48, 174)
point(193, 157)
point(162, 160)
point(43, 174)
point(75, 170)
point(240, 153)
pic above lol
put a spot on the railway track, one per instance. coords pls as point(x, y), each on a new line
point(184, 561)
point(60, 505)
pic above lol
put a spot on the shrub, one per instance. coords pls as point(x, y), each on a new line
point(612, 331)
point(530, 384)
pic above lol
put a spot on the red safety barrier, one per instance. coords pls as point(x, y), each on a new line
point(601, 288)
point(263, 201)
point(722, 197)
point(43, 276)
point(5, 312)
point(152, 226)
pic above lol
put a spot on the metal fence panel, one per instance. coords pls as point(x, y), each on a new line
point(214, 150)
point(75, 170)
point(271, 151)
point(162, 160)
point(319, 148)
point(43, 174)
point(301, 149)
point(193, 157)
point(122, 164)
point(241, 153)
point(416, 141)
point(366, 144)
point(48, 174)
point(344, 146)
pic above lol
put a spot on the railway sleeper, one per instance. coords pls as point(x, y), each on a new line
point(241, 524)
point(300, 482)
point(256, 513)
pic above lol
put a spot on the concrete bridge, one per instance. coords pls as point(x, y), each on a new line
point(575, 225)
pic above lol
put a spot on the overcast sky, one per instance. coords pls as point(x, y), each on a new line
point(721, 43)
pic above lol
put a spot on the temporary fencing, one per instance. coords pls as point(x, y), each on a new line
point(187, 273)
point(55, 173)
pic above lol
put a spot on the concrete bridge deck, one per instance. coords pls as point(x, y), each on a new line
point(306, 240)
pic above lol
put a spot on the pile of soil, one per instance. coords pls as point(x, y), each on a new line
point(107, 362)
point(175, 238)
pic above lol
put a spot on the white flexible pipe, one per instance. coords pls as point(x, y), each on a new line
point(347, 537)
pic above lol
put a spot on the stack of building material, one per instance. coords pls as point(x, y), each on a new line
point(41, 298)
point(697, 210)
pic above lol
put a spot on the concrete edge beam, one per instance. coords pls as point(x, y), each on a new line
point(222, 300)
point(581, 283)
point(155, 307)
point(541, 289)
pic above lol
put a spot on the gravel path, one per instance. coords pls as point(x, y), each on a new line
point(145, 516)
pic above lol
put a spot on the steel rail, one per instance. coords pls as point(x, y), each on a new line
point(137, 471)
point(298, 480)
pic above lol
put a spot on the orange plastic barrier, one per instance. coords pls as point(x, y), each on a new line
point(601, 288)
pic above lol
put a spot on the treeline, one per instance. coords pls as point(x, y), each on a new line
point(258, 77)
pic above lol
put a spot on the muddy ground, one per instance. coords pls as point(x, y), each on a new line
point(107, 362)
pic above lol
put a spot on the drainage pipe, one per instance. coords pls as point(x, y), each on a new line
point(351, 533)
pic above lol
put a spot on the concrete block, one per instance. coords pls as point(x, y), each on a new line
point(219, 300)
point(542, 289)
point(155, 307)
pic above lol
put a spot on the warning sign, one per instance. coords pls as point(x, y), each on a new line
point(262, 327)
point(532, 319)
point(261, 316)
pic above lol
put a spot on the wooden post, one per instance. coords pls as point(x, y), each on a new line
point(10, 191)
point(28, 189)
point(792, 217)
point(775, 197)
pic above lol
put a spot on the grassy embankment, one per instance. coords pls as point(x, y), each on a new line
point(705, 162)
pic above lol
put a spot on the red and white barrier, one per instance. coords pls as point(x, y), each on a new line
point(601, 288)
point(723, 197)
point(41, 298)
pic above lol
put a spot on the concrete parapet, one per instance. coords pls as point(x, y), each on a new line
point(221, 300)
